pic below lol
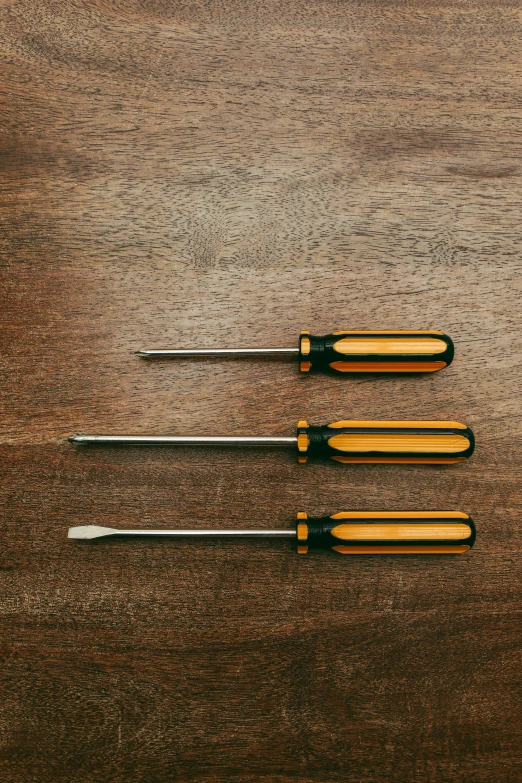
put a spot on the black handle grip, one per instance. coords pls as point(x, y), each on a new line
point(375, 352)
point(417, 442)
point(387, 533)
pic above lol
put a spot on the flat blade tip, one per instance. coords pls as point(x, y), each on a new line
point(88, 532)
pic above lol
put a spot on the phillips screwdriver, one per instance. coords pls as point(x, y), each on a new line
point(349, 533)
point(391, 351)
point(428, 442)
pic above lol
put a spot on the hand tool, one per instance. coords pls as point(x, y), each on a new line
point(428, 442)
point(349, 533)
point(392, 351)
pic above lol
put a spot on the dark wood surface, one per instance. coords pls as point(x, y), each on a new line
point(226, 173)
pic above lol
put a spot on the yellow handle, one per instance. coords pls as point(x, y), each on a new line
point(376, 352)
point(388, 532)
point(421, 442)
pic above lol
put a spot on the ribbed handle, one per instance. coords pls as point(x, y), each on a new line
point(375, 352)
point(388, 533)
point(418, 442)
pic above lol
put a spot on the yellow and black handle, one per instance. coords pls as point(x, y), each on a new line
point(406, 442)
point(387, 533)
point(394, 351)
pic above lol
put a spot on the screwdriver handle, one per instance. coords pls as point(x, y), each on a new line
point(387, 533)
point(393, 351)
point(406, 442)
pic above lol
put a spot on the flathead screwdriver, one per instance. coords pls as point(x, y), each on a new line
point(346, 352)
point(428, 442)
point(348, 533)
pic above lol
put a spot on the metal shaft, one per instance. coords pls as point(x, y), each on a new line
point(90, 532)
point(211, 533)
point(177, 440)
point(232, 352)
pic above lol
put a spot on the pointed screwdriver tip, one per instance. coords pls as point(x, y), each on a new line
point(142, 354)
point(88, 532)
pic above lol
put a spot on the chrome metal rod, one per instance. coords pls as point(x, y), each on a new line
point(177, 440)
point(232, 352)
point(89, 532)
point(212, 533)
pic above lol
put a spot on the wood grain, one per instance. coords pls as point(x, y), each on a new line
point(227, 173)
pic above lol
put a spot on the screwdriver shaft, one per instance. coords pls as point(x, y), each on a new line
point(89, 532)
point(211, 533)
point(179, 440)
point(219, 352)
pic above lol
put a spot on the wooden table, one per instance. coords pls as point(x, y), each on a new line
point(225, 174)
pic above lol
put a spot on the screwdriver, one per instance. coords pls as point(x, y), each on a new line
point(428, 442)
point(349, 533)
point(374, 351)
